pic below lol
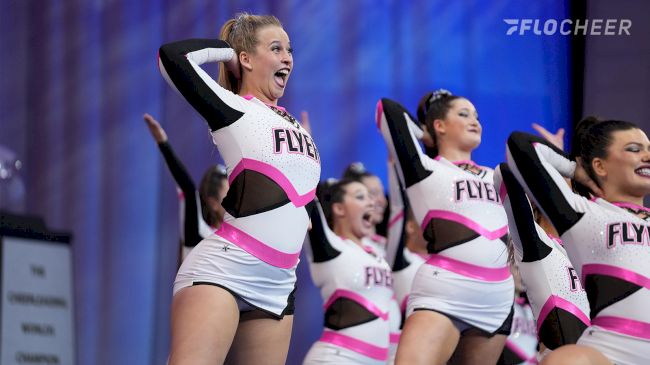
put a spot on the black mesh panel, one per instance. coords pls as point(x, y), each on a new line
point(560, 328)
point(251, 193)
point(442, 234)
point(603, 291)
point(344, 313)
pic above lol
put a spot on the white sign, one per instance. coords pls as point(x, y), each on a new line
point(37, 302)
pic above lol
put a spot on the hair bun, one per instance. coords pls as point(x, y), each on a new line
point(221, 169)
point(440, 94)
point(358, 168)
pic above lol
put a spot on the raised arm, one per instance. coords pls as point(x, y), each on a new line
point(397, 128)
point(190, 210)
point(397, 222)
point(321, 237)
point(180, 63)
point(525, 233)
point(191, 214)
point(540, 168)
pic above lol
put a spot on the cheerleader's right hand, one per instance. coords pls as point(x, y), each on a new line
point(233, 65)
point(157, 132)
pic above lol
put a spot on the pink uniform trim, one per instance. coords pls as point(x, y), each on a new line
point(356, 345)
point(380, 112)
point(469, 270)
point(625, 326)
point(455, 217)
point(631, 206)
point(402, 305)
point(460, 162)
point(257, 248)
point(370, 306)
point(250, 96)
point(521, 353)
point(394, 337)
point(468, 162)
point(555, 301)
point(396, 218)
point(617, 272)
point(275, 175)
point(503, 192)
point(381, 240)
point(556, 239)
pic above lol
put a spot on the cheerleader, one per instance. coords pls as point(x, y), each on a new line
point(234, 293)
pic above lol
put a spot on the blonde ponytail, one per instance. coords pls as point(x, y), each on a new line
point(241, 34)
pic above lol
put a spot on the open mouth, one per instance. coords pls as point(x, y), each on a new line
point(281, 77)
point(643, 171)
point(367, 219)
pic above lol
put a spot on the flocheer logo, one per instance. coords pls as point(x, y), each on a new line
point(608, 27)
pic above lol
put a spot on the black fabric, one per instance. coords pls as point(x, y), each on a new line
point(287, 311)
point(193, 88)
point(191, 236)
point(310, 207)
point(506, 326)
point(407, 153)
point(252, 193)
point(560, 328)
point(508, 357)
point(344, 313)
point(321, 247)
point(442, 234)
point(504, 329)
point(603, 291)
point(542, 186)
point(534, 249)
point(291, 303)
point(382, 227)
point(400, 262)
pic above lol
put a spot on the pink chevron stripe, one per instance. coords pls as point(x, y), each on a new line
point(555, 301)
point(521, 353)
point(356, 345)
point(370, 306)
point(617, 272)
point(396, 218)
point(394, 337)
point(472, 271)
point(257, 248)
point(625, 326)
point(455, 217)
point(275, 175)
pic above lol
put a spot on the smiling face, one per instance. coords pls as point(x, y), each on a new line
point(626, 167)
point(353, 215)
point(266, 70)
point(460, 127)
point(376, 192)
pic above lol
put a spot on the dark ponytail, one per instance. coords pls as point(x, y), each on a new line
point(591, 139)
point(330, 192)
point(209, 187)
point(434, 105)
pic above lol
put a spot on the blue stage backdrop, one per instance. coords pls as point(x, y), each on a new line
point(78, 75)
